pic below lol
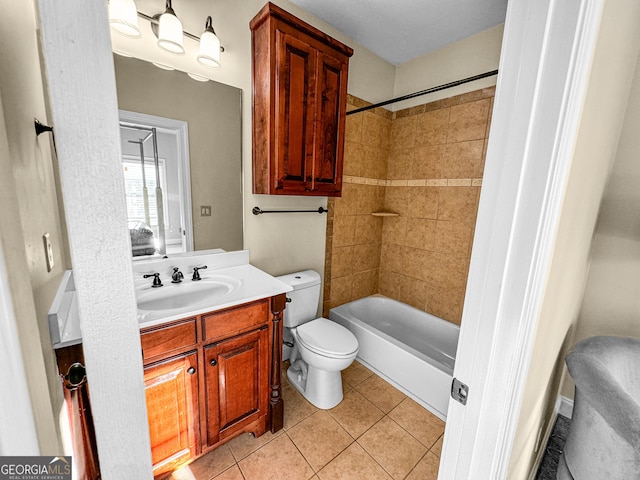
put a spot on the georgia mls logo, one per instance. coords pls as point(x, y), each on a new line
point(35, 468)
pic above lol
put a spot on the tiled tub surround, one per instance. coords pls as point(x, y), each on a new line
point(431, 178)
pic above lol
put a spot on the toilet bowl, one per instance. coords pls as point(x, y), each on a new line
point(321, 348)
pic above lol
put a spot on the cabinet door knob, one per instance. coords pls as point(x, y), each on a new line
point(213, 362)
point(191, 370)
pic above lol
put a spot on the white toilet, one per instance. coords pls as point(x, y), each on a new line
point(321, 348)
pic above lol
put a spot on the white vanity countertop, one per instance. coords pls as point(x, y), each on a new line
point(254, 285)
point(250, 284)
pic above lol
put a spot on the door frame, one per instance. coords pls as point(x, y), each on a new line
point(545, 63)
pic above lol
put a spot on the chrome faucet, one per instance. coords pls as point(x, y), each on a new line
point(176, 276)
point(196, 273)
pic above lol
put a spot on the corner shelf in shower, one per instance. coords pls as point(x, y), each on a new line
point(385, 214)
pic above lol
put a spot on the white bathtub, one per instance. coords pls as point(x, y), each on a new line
point(413, 350)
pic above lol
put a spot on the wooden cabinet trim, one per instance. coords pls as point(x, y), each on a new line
point(273, 11)
point(234, 321)
point(166, 339)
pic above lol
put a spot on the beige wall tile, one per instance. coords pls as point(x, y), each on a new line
point(403, 133)
point(342, 261)
point(354, 128)
point(353, 159)
point(366, 257)
point(446, 304)
point(432, 127)
point(400, 163)
point(463, 159)
point(468, 121)
point(416, 293)
point(344, 228)
point(393, 230)
point(340, 291)
point(396, 200)
point(457, 203)
point(428, 162)
point(423, 202)
point(421, 233)
point(347, 203)
point(388, 283)
point(415, 263)
point(446, 270)
point(376, 130)
point(391, 258)
point(365, 283)
point(453, 237)
point(430, 159)
point(368, 229)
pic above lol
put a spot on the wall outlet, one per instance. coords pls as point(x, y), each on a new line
point(48, 251)
point(205, 210)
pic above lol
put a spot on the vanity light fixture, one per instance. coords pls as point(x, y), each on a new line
point(197, 77)
point(209, 54)
point(170, 31)
point(123, 18)
point(163, 66)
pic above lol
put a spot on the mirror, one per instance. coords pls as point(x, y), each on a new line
point(212, 113)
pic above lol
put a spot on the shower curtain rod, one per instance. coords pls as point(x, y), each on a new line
point(424, 92)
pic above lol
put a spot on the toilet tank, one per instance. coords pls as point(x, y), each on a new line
point(304, 298)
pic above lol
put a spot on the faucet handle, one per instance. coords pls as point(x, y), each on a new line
point(176, 276)
point(196, 273)
point(156, 279)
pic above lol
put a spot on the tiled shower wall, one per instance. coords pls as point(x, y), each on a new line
point(424, 163)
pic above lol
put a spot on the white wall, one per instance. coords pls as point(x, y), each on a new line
point(29, 209)
point(278, 243)
point(611, 304)
point(604, 108)
point(471, 56)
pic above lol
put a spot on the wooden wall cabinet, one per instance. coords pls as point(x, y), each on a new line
point(299, 106)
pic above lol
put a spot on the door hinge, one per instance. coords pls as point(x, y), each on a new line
point(459, 391)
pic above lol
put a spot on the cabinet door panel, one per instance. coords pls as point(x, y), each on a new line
point(295, 91)
point(236, 382)
point(172, 396)
point(330, 107)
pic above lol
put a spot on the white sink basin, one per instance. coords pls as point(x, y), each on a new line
point(187, 295)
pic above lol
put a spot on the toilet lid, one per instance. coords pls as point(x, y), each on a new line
point(327, 337)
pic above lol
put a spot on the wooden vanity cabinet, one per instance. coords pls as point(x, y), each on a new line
point(211, 377)
point(299, 106)
point(207, 379)
point(171, 388)
point(236, 384)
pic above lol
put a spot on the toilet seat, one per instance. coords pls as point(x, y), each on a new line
point(327, 338)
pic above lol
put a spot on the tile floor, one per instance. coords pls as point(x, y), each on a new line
point(377, 432)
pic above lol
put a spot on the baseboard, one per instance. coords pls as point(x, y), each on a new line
point(566, 407)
